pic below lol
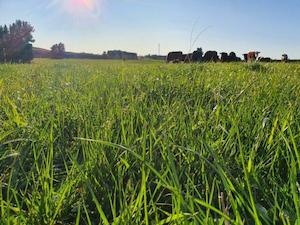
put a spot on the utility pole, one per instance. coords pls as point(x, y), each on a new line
point(158, 49)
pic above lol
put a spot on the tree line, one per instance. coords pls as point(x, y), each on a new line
point(16, 46)
point(16, 42)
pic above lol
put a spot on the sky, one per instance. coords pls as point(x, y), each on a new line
point(268, 26)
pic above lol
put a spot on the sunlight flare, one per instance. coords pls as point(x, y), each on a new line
point(84, 4)
point(80, 7)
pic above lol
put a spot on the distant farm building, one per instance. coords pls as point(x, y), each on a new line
point(118, 54)
point(155, 57)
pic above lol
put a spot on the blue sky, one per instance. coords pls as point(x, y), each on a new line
point(270, 26)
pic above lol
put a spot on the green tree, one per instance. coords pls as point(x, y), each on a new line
point(16, 42)
point(58, 51)
point(1, 49)
point(3, 42)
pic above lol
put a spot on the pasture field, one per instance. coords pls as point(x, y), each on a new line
point(111, 142)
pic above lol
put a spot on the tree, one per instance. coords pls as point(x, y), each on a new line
point(3, 42)
point(58, 51)
point(16, 42)
point(1, 46)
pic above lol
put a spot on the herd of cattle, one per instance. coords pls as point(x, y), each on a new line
point(212, 56)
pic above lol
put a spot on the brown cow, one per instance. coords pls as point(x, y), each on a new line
point(251, 56)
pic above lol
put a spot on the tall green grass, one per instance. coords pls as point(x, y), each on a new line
point(109, 142)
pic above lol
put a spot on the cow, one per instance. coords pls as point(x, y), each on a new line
point(174, 57)
point(224, 57)
point(251, 56)
point(233, 58)
point(187, 58)
point(284, 58)
point(211, 56)
point(229, 58)
point(264, 59)
point(197, 55)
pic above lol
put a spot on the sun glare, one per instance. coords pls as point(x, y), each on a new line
point(84, 4)
point(81, 7)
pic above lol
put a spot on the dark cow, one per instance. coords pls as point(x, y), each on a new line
point(233, 58)
point(264, 59)
point(175, 57)
point(284, 58)
point(187, 58)
point(229, 58)
point(224, 57)
point(211, 56)
point(197, 55)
